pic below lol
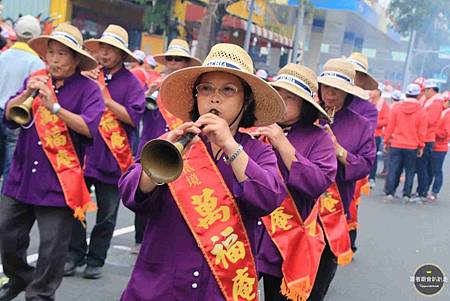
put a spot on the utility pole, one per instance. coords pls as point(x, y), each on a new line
point(298, 27)
point(248, 33)
point(409, 57)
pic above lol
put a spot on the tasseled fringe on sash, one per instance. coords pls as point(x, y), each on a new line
point(345, 258)
point(298, 291)
point(353, 226)
point(79, 212)
point(365, 189)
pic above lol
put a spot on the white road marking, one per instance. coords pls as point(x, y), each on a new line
point(33, 257)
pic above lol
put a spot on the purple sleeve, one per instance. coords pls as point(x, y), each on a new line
point(93, 108)
point(132, 197)
point(135, 104)
point(371, 114)
point(263, 191)
point(312, 176)
point(360, 162)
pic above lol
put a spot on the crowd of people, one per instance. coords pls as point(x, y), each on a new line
point(272, 175)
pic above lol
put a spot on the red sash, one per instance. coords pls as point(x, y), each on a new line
point(300, 244)
point(213, 217)
point(60, 151)
point(334, 224)
point(362, 186)
point(114, 135)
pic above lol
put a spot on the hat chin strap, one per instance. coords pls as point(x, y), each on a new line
point(237, 116)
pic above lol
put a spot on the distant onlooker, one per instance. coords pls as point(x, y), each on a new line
point(405, 139)
point(16, 64)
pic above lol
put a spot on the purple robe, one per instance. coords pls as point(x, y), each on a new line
point(170, 265)
point(126, 90)
point(355, 134)
point(153, 127)
point(366, 109)
point(312, 173)
point(32, 179)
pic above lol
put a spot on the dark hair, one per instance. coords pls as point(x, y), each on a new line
point(347, 101)
point(73, 52)
point(436, 89)
point(248, 117)
point(308, 113)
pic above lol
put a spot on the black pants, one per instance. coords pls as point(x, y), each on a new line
point(325, 274)
point(272, 288)
point(54, 223)
point(140, 221)
point(108, 204)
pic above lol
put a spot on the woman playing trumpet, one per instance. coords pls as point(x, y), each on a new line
point(199, 240)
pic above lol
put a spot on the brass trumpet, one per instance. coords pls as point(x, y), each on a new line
point(21, 114)
point(162, 160)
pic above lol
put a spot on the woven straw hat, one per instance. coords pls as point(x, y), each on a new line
point(300, 81)
point(115, 36)
point(176, 89)
point(177, 47)
point(69, 36)
point(340, 74)
point(361, 65)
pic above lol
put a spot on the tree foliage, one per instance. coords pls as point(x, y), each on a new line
point(429, 18)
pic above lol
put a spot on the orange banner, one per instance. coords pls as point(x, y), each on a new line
point(334, 223)
point(300, 244)
point(212, 215)
point(114, 135)
point(361, 187)
point(60, 151)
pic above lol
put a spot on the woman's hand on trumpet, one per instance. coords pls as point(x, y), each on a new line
point(187, 127)
point(34, 83)
point(48, 98)
point(217, 131)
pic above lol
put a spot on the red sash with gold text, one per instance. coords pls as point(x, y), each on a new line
point(114, 135)
point(300, 244)
point(361, 187)
point(60, 151)
point(334, 223)
point(211, 213)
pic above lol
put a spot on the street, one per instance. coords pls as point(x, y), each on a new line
point(393, 240)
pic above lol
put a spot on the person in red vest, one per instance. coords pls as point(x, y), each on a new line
point(433, 108)
point(138, 69)
point(440, 149)
point(383, 117)
point(405, 139)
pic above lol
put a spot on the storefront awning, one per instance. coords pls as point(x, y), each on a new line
point(195, 13)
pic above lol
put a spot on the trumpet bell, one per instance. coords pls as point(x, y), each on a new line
point(21, 114)
point(162, 161)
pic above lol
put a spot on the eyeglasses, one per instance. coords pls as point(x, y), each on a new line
point(176, 59)
point(207, 89)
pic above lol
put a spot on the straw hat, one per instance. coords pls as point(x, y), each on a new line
point(340, 74)
point(115, 36)
point(176, 89)
point(69, 36)
point(177, 47)
point(300, 81)
point(361, 65)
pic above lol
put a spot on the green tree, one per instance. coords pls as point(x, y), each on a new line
point(430, 19)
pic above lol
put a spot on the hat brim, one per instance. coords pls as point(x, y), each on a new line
point(344, 86)
point(176, 94)
point(369, 83)
point(161, 58)
point(40, 45)
point(302, 94)
point(94, 46)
